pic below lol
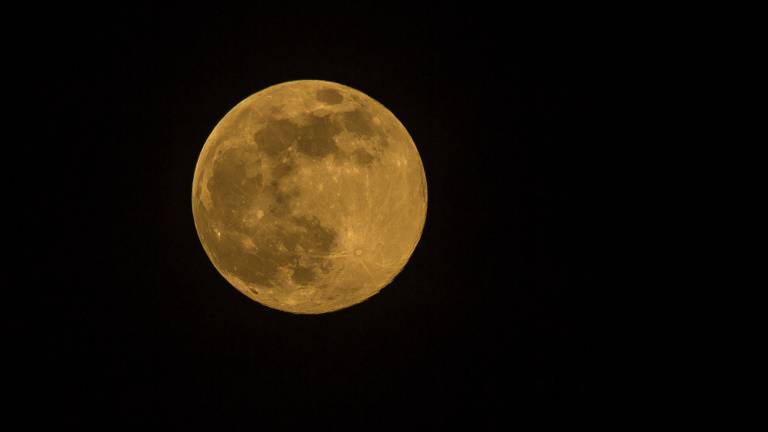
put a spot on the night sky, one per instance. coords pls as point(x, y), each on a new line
point(124, 319)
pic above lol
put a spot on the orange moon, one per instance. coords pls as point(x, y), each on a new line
point(309, 196)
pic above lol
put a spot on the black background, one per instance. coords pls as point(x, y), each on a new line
point(130, 323)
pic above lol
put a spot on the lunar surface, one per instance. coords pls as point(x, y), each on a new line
point(309, 197)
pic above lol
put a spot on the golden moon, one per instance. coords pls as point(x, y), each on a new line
point(309, 196)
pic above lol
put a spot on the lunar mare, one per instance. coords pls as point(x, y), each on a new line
point(309, 196)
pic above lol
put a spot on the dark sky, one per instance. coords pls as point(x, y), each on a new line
point(125, 318)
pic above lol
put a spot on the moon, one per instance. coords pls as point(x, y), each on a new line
point(309, 196)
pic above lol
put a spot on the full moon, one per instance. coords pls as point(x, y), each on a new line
point(309, 196)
